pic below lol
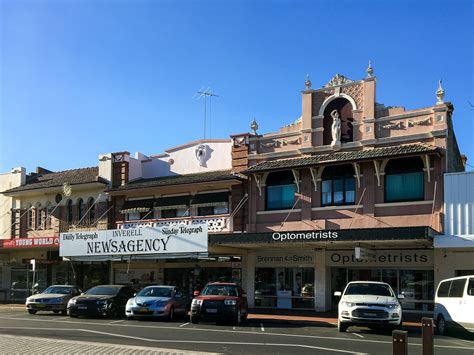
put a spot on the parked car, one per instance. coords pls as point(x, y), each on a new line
point(368, 303)
point(54, 298)
point(103, 300)
point(220, 301)
point(454, 304)
point(157, 301)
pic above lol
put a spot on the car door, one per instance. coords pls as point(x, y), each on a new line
point(456, 292)
point(466, 314)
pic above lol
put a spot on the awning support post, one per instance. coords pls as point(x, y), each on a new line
point(357, 173)
point(296, 175)
point(426, 163)
point(316, 174)
point(260, 180)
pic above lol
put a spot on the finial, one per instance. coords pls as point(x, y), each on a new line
point(254, 126)
point(370, 70)
point(307, 83)
point(440, 93)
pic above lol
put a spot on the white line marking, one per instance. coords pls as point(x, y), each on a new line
point(183, 325)
point(233, 328)
point(261, 327)
point(117, 321)
point(360, 336)
point(224, 331)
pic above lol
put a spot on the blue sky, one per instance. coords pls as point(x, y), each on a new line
point(84, 77)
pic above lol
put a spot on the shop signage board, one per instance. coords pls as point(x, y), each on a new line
point(412, 258)
point(140, 241)
point(19, 243)
point(291, 258)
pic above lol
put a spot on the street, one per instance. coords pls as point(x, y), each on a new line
point(50, 333)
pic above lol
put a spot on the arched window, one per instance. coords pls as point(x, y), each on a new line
point(280, 190)
point(69, 211)
point(80, 209)
point(37, 219)
point(29, 217)
point(404, 180)
point(91, 208)
point(338, 185)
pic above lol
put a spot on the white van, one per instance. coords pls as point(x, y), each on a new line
point(454, 304)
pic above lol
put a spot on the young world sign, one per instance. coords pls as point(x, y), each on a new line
point(158, 240)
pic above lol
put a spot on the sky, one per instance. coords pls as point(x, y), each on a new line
point(83, 77)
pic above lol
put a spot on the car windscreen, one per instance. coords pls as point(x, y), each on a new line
point(368, 289)
point(59, 290)
point(103, 291)
point(219, 290)
point(155, 292)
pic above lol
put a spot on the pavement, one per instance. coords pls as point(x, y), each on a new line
point(54, 334)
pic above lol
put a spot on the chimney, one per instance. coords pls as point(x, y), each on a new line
point(120, 168)
point(240, 152)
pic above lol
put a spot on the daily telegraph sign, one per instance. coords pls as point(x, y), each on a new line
point(139, 241)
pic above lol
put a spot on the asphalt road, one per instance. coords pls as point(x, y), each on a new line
point(254, 337)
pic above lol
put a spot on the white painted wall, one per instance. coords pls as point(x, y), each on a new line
point(14, 178)
point(459, 203)
point(105, 166)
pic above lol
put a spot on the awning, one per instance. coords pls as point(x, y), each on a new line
point(211, 199)
point(136, 257)
point(167, 203)
point(135, 206)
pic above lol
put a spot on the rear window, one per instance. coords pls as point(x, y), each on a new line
point(457, 288)
point(443, 289)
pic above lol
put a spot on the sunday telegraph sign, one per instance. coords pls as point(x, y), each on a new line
point(139, 241)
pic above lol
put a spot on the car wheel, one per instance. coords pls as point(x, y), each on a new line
point(171, 314)
point(32, 311)
point(441, 326)
point(194, 319)
point(244, 317)
point(341, 327)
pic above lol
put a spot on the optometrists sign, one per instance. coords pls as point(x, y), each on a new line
point(138, 241)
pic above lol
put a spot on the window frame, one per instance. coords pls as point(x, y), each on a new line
point(404, 173)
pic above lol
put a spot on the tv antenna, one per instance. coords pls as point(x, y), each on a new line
point(206, 93)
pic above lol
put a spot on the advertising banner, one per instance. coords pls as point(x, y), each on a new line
point(139, 241)
point(19, 243)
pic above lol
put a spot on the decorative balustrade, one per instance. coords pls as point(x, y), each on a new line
point(215, 224)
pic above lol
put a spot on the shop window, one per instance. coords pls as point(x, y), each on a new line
point(91, 208)
point(416, 286)
point(69, 211)
point(280, 191)
point(404, 180)
point(338, 186)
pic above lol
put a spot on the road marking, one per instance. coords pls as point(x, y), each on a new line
point(226, 331)
point(117, 321)
point(261, 327)
point(360, 336)
point(233, 328)
point(183, 325)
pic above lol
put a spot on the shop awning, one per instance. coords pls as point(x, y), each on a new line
point(211, 199)
point(136, 257)
point(166, 203)
point(135, 206)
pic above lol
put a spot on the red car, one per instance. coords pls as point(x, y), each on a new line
point(220, 301)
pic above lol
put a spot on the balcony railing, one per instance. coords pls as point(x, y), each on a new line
point(215, 224)
point(84, 225)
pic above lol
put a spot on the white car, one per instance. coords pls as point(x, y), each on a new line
point(454, 304)
point(368, 303)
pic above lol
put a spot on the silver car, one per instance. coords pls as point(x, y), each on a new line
point(54, 298)
point(157, 301)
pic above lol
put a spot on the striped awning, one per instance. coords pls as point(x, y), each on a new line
point(211, 199)
point(135, 206)
point(167, 203)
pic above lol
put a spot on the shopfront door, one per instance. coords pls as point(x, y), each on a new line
point(20, 284)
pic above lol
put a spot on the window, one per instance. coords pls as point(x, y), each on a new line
point(404, 180)
point(80, 209)
point(69, 211)
point(443, 289)
point(280, 188)
point(29, 220)
point(91, 208)
point(49, 210)
point(171, 213)
point(212, 210)
point(338, 186)
point(457, 288)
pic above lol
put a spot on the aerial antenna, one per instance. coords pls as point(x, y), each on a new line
point(205, 93)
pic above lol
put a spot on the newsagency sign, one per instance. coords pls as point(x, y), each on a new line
point(139, 241)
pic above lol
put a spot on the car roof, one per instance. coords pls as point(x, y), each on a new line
point(457, 278)
point(162, 286)
point(111, 286)
point(368, 282)
point(223, 283)
point(61, 286)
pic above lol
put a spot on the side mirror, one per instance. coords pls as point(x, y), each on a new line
point(401, 297)
point(337, 294)
point(470, 292)
point(196, 293)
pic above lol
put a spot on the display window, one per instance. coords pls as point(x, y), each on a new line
point(284, 288)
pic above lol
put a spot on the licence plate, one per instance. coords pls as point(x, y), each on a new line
point(82, 307)
point(211, 310)
point(368, 314)
point(142, 310)
point(39, 305)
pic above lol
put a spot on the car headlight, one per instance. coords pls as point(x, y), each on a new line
point(230, 302)
point(71, 302)
point(392, 305)
point(348, 304)
point(131, 302)
point(197, 302)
